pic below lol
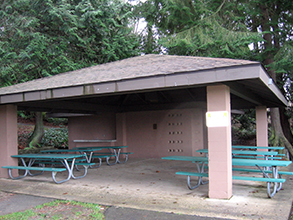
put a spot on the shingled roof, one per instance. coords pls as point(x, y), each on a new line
point(146, 82)
point(137, 67)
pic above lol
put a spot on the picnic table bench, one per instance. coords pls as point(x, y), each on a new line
point(270, 148)
point(78, 162)
point(67, 160)
point(258, 147)
point(92, 153)
point(114, 151)
point(27, 169)
point(249, 154)
point(275, 180)
point(86, 152)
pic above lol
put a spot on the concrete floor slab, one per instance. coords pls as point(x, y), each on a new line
point(151, 184)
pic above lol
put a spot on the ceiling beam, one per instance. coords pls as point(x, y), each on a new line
point(67, 107)
point(154, 107)
point(239, 90)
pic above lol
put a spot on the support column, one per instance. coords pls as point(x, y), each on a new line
point(8, 137)
point(261, 126)
point(219, 144)
point(121, 134)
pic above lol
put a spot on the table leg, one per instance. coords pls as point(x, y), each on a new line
point(89, 160)
point(200, 169)
point(277, 175)
point(69, 169)
point(266, 158)
point(31, 162)
point(271, 190)
point(116, 157)
point(19, 176)
point(84, 174)
point(274, 189)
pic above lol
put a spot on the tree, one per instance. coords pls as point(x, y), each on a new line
point(36, 138)
point(276, 18)
point(201, 28)
point(257, 30)
point(40, 38)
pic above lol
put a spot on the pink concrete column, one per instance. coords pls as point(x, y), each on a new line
point(121, 134)
point(219, 144)
point(8, 137)
point(261, 126)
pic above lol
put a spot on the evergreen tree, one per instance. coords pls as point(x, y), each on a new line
point(259, 30)
point(40, 38)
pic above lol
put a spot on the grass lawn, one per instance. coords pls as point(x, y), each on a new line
point(60, 209)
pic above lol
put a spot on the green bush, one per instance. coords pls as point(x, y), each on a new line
point(57, 121)
point(55, 137)
point(244, 133)
point(25, 115)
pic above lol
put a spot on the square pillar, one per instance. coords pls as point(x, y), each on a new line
point(261, 126)
point(121, 132)
point(8, 137)
point(219, 143)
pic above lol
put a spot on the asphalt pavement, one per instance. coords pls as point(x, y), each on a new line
point(10, 203)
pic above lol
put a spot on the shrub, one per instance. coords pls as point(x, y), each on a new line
point(23, 136)
point(55, 137)
point(57, 121)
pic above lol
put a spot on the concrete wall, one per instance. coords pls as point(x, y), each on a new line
point(102, 127)
point(164, 133)
point(150, 134)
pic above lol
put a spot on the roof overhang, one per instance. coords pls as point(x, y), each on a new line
point(249, 84)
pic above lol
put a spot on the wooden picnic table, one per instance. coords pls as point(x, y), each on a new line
point(68, 160)
point(202, 162)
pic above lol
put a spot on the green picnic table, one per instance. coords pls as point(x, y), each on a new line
point(258, 147)
point(114, 151)
point(68, 160)
point(255, 153)
point(202, 163)
point(86, 152)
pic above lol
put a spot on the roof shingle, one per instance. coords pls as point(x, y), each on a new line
point(136, 67)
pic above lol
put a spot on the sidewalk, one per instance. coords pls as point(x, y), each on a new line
point(150, 187)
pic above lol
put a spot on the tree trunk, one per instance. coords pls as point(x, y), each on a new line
point(286, 125)
point(278, 138)
point(36, 138)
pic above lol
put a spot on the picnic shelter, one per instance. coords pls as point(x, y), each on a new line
point(157, 105)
